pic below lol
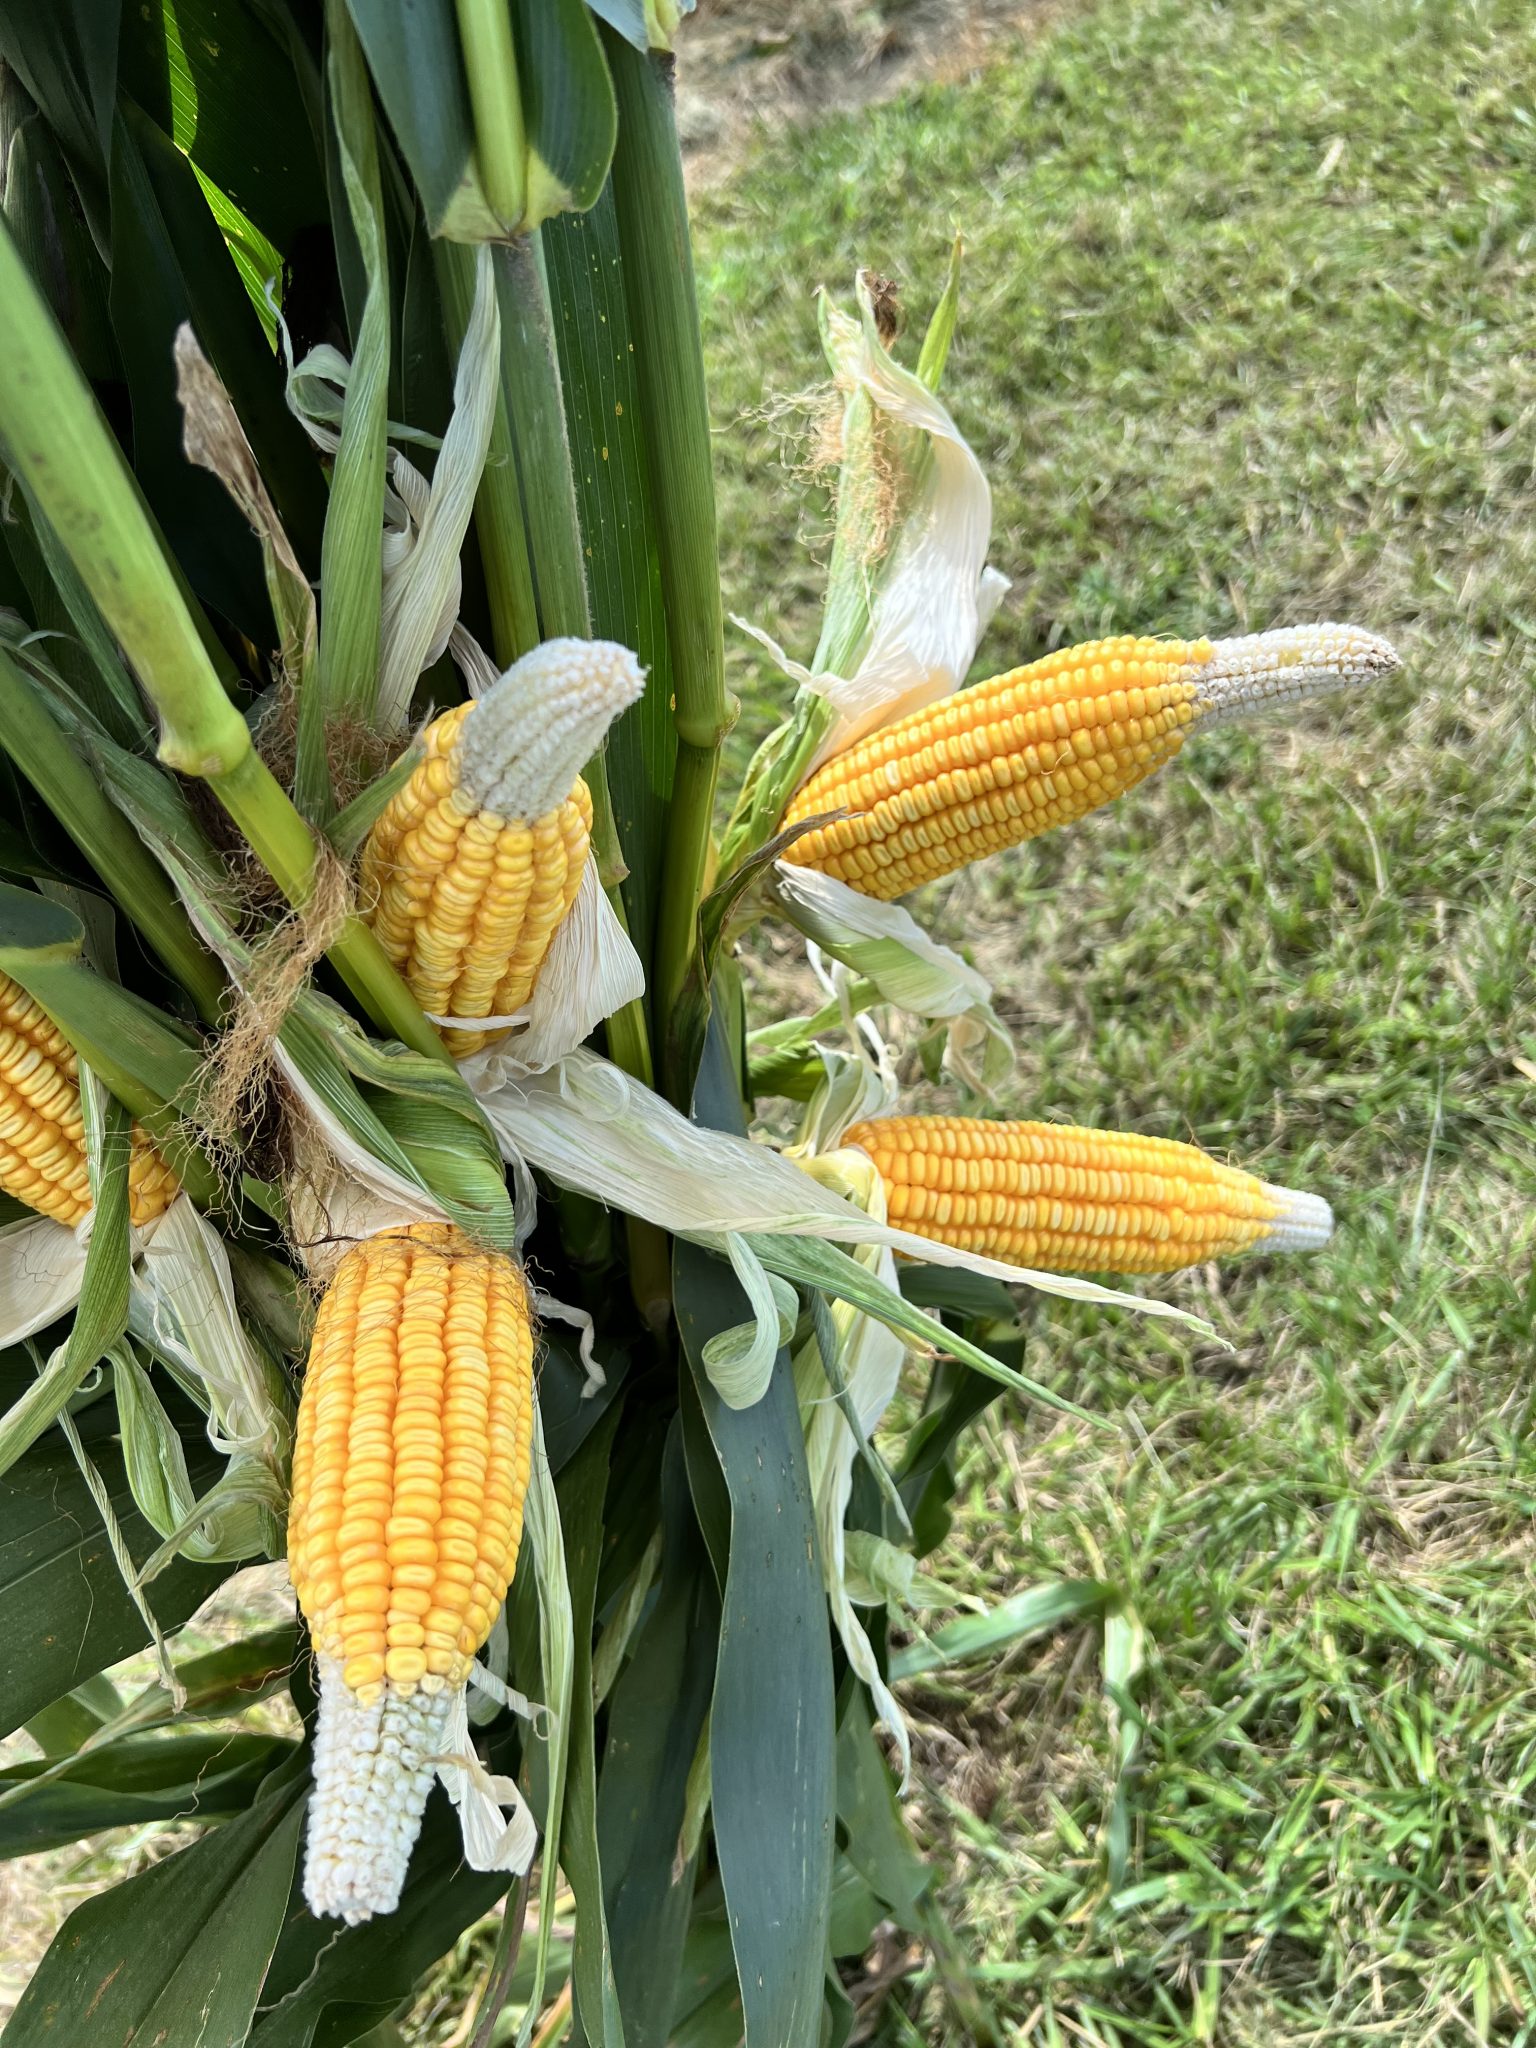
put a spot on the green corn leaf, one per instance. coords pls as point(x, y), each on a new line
point(198, 68)
point(60, 1729)
point(71, 637)
point(880, 1845)
point(652, 222)
point(216, 1909)
point(582, 1489)
point(568, 106)
point(413, 54)
point(169, 264)
point(351, 570)
point(772, 1731)
point(546, 1617)
point(44, 215)
point(657, 1710)
point(60, 1591)
point(597, 369)
point(153, 1455)
point(137, 1779)
point(812, 1262)
point(66, 57)
point(32, 736)
point(1037, 1611)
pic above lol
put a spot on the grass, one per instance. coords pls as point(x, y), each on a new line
point(1247, 337)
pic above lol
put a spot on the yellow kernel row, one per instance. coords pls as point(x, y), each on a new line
point(1062, 1199)
point(411, 1458)
point(991, 766)
point(466, 903)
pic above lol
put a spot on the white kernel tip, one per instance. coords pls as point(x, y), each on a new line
point(1302, 1222)
point(1259, 670)
point(373, 1769)
point(527, 739)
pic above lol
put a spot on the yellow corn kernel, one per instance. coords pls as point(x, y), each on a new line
point(411, 1458)
point(476, 863)
point(42, 1131)
point(1064, 1200)
point(992, 766)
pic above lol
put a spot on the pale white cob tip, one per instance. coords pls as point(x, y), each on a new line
point(1302, 1222)
point(527, 739)
point(1258, 670)
point(373, 1769)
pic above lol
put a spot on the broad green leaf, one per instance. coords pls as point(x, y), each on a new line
point(61, 1596)
point(169, 264)
point(198, 68)
point(956, 1396)
point(772, 1732)
point(880, 1846)
point(223, 1681)
point(32, 736)
point(43, 214)
point(351, 569)
point(582, 1490)
point(597, 371)
point(857, 1910)
point(568, 107)
point(192, 263)
point(568, 1412)
point(196, 1777)
point(66, 57)
point(177, 1955)
point(1034, 1612)
point(60, 1729)
point(413, 54)
point(71, 632)
point(655, 1714)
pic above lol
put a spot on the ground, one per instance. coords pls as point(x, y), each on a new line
point(1247, 338)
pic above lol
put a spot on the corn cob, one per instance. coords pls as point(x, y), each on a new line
point(993, 766)
point(475, 863)
point(42, 1130)
point(1075, 1201)
point(409, 1469)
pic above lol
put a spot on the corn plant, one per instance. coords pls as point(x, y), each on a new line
point(378, 1076)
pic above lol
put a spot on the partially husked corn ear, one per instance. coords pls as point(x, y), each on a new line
point(992, 766)
point(42, 1130)
point(410, 1467)
point(1065, 1200)
point(475, 864)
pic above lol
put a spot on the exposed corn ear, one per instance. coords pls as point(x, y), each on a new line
point(409, 1474)
point(1078, 1201)
point(42, 1131)
point(476, 863)
point(993, 766)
